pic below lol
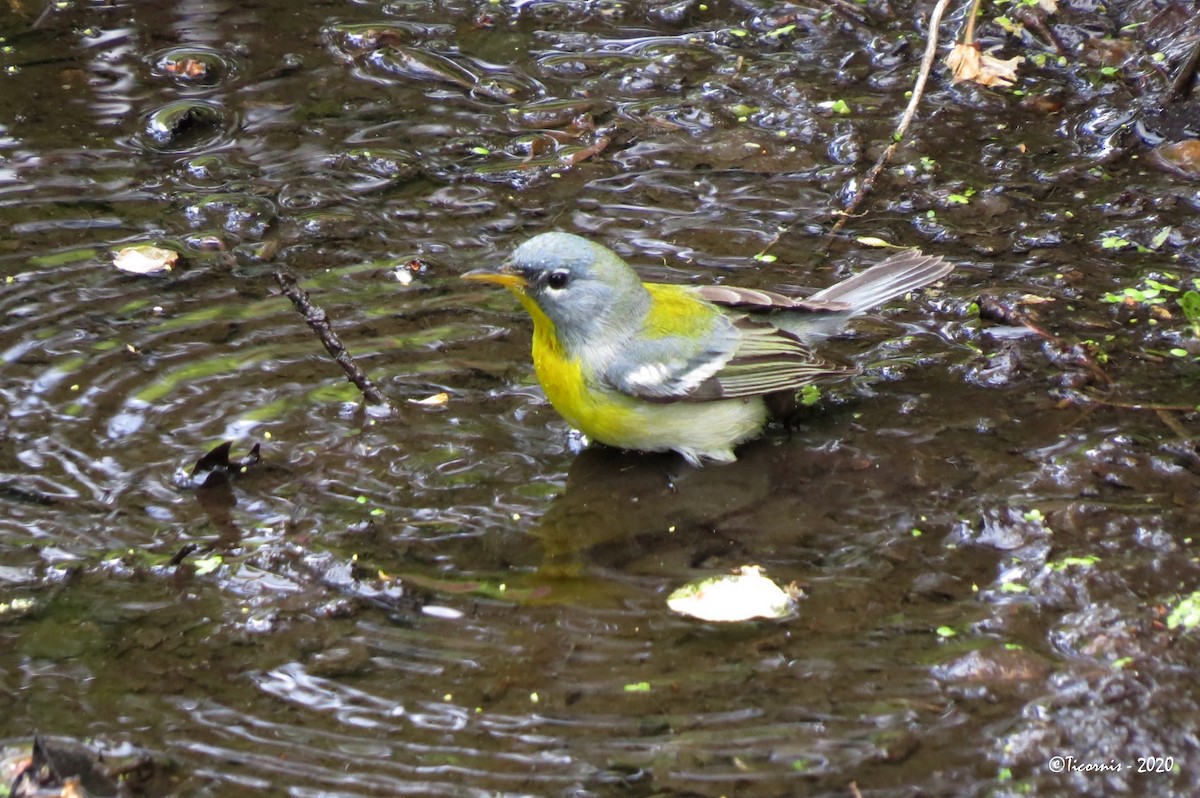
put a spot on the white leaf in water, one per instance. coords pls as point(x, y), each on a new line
point(145, 259)
point(737, 597)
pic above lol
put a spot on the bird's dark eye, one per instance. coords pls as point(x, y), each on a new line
point(558, 278)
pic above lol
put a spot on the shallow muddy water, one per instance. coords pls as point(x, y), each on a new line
point(994, 525)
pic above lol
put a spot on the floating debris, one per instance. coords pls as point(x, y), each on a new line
point(740, 596)
point(145, 259)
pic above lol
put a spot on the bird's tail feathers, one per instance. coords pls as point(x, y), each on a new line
point(893, 277)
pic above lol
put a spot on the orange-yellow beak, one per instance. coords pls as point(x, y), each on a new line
point(502, 275)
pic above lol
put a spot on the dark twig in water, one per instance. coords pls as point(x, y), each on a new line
point(918, 89)
point(1087, 398)
point(992, 309)
point(868, 182)
point(1035, 20)
point(1167, 417)
point(316, 318)
point(850, 11)
point(1165, 414)
point(1180, 87)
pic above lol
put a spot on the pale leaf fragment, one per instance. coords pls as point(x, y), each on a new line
point(145, 259)
point(432, 401)
point(872, 241)
point(740, 596)
point(1049, 6)
point(967, 62)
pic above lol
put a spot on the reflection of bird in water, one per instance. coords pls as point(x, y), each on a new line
point(618, 508)
point(657, 367)
point(645, 515)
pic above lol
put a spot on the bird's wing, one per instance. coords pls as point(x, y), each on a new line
point(737, 357)
point(756, 300)
point(769, 359)
point(677, 365)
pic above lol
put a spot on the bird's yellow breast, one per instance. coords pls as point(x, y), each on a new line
point(697, 430)
point(598, 412)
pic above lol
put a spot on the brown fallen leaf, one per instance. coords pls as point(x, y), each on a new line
point(1180, 157)
point(968, 62)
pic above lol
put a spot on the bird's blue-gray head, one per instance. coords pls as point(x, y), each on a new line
point(584, 289)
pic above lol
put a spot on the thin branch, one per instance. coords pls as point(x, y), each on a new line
point(1167, 417)
point(993, 309)
point(1087, 398)
point(931, 46)
point(317, 319)
point(969, 33)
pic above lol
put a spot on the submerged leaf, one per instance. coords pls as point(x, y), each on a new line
point(145, 259)
point(740, 596)
point(1180, 157)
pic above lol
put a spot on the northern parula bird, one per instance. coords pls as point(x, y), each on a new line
point(656, 367)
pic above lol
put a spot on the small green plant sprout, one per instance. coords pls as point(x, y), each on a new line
point(1185, 614)
point(1150, 292)
point(1189, 305)
point(1096, 350)
point(1078, 562)
point(963, 198)
point(207, 565)
point(836, 106)
point(1118, 243)
point(1160, 238)
point(1008, 25)
point(810, 394)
